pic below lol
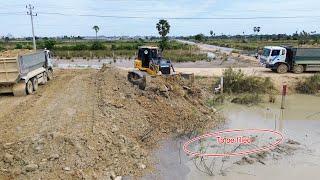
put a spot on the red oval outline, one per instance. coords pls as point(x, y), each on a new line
point(272, 146)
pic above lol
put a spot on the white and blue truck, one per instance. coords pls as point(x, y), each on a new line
point(282, 59)
point(22, 74)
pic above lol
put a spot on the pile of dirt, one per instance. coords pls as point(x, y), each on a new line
point(118, 138)
point(14, 53)
point(167, 107)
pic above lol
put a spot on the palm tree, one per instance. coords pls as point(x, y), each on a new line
point(163, 28)
point(96, 28)
point(211, 33)
point(257, 29)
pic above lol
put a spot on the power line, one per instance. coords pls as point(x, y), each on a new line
point(174, 18)
point(180, 18)
point(12, 13)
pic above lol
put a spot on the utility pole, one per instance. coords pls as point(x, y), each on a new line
point(31, 14)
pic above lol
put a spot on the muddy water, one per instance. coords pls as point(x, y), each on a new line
point(300, 121)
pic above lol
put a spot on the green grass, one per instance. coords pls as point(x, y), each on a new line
point(254, 44)
point(311, 85)
point(246, 89)
point(247, 99)
point(235, 81)
point(175, 51)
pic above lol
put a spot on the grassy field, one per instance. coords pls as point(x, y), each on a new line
point(175, 51)
point(255, 44)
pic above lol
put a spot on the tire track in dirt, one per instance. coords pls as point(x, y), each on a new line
point(55, 106)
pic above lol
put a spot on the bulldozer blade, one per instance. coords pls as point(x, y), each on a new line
point(138, 78)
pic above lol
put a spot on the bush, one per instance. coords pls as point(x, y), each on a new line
point(49, 44)
point(80, 47)
point(29, 47)
point(97, 46)
point(238, 82)
point(18, 46)
point(310, 85)
point(200, 37)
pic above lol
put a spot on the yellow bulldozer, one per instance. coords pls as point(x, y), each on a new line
point(150, 63)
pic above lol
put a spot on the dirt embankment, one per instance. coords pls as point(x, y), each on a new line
point(90, 124)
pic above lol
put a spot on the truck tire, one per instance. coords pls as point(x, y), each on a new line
point(298, 69)
point(35, 83)
point(19, 89)
point(282, 68)
point(50, 74)
point(29, 87)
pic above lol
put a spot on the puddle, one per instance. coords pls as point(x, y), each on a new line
point(300, 121)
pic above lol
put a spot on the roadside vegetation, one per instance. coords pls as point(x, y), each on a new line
point(255, 42)
point(235, 82)
point(127, 49)
point(243, 89)
point(310, 85)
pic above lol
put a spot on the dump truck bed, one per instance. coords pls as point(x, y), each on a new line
point(13, 68)
point(9, 70)
point(307, 56)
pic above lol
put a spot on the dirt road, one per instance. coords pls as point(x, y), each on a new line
point(207, 47)
point(60, 105)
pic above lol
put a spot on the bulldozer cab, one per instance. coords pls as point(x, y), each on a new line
point(147, 54)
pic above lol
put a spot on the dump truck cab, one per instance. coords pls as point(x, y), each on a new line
point(49, 57)
point(273, 54)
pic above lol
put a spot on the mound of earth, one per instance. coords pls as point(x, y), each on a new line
point(111, 127)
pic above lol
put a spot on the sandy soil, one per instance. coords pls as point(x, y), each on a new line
point(94, 124)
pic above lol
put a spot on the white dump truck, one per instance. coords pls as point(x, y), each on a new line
point(282, 59)
point(22, 74)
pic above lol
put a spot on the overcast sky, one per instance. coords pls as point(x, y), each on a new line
point(57, 18)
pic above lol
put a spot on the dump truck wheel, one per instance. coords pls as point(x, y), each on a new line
point(50, 74)
point(29, 87)
point(35, 84)
point(19, 89)
point(282, 68)
point(44, 78)
point(298, 69)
